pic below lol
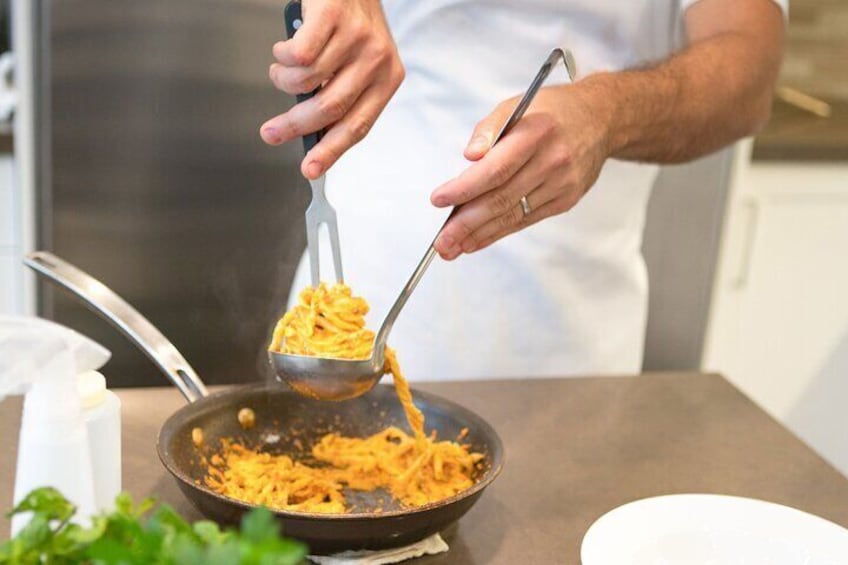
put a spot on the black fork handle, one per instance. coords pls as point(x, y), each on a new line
point(294, 19)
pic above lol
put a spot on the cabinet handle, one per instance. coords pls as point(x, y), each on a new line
point(752, 212)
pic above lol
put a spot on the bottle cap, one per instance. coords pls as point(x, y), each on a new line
point(92, 388)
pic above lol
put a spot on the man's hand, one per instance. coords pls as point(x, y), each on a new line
point(715, 91)
point(344, 45)
point(552, 156)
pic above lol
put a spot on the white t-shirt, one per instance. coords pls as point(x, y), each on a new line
point(566, 296)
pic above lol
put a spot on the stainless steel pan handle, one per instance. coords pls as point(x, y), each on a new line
point(126, 319)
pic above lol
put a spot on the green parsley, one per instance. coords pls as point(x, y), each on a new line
point(142, 534)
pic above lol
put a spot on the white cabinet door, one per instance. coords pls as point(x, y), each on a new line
point(10, 302)
point(779, 323)
point(9, 225)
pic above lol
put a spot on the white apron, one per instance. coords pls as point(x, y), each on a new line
point(567, 296)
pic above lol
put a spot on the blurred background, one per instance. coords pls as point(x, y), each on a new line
point(129, 146)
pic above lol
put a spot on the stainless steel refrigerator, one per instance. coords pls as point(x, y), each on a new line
point(155, 179)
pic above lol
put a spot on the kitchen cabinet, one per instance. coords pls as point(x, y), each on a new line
point(8, 209)
point(10, 251)
point(9, 287)
point(778, 325)
point(18, 161)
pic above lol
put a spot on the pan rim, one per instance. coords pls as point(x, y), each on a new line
point(498, 460)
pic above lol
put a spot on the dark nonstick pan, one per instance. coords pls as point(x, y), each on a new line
point(287, 423)
point(283, 414)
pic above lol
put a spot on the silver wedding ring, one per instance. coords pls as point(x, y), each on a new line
point(525, 206)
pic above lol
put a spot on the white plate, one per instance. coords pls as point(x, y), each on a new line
point(706, 529)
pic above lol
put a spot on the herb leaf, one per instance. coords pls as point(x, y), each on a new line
point(142, 534)
point(48, 502)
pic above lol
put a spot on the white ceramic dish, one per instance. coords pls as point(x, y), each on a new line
point(706, 529)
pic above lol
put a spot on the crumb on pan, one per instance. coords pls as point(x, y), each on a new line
point(246, 418)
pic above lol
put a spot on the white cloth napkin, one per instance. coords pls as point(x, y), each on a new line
point(29, 345)
point(429, 546)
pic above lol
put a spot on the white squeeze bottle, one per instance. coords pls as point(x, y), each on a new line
point(102, 414)
point(43, 359)
point(53, 449)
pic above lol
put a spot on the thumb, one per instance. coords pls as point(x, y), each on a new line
point(486, 130)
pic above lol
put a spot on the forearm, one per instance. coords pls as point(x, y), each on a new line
point(711, 94)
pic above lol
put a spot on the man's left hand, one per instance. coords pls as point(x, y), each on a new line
point(552, 156)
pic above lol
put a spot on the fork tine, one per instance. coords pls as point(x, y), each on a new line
point(320, 211)
point(313, 248)
point(333, 229)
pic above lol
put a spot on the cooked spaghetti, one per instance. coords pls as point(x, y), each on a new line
point(329, 321)
point(326, 322)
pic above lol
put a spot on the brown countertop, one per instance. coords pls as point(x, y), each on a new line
point(576, 448)
point(793, 134)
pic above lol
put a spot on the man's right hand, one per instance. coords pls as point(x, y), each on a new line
point(346, 47)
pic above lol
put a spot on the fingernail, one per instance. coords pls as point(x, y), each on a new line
point(450, 256)
point(478, 143)
point(313, 169)
point(447, 243)
point(440, 200)
point(270, 134)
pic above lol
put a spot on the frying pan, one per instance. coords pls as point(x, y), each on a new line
point(287, 423)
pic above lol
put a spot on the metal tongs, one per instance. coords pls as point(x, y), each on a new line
point(339, 379)
point(320, 211)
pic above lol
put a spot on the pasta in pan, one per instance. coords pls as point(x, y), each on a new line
point(329, 321)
